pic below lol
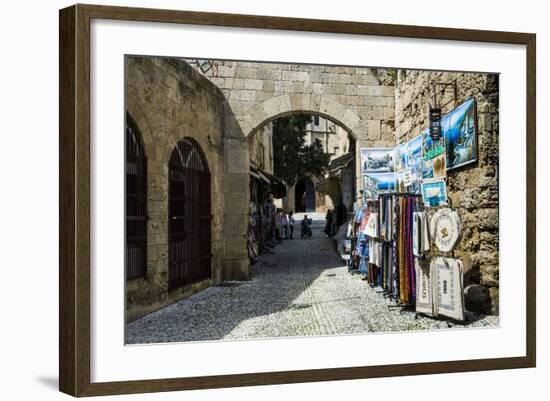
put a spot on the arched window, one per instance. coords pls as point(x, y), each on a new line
point(136, 202)
point(189, 215)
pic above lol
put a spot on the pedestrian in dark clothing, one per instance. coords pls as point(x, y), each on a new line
point(305, 226)
point(291, 222)
point(328, 225)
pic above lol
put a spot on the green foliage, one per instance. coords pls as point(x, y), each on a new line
point(392, 72)
point(293, 159)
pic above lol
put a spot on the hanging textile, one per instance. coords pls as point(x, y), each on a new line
point(395, 257)
point(373, 269)
point(372, 226)
point(403, 293)
point(421, 238)
point(424, 287)
point(364, 221)
point(364, 255)
point(448, 286)
point(391, 241)
point(410, 256)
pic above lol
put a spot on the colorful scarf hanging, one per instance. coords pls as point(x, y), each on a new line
point(410, 256)
point(395, 256)
point(403, 290)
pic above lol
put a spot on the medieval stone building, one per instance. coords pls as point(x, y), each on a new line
point(189, 154)
point(194, 228)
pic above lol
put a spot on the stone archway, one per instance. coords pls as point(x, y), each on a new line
point(286, 104)
point(361, 99)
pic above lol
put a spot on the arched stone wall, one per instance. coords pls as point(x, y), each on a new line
point(361, 99)
point(282, 105)
point(170, 101)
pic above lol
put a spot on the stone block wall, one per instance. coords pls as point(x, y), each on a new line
point(262, 160)
point(359, 99)
point(473, 189)
point(169, 100)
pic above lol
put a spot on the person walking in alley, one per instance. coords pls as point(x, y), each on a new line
point(291, 222)
point(278, 224)
point(284, 225)
point(328, 225)
point(270, 211)
point(305, 227)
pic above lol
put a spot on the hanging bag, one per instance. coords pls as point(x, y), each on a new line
point(448, 287)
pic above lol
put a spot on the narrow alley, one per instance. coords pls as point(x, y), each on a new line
point(302, 289)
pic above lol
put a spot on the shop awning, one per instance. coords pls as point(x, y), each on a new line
point(340, 163)
point(263, 177)
point(254, 172)
point(321, 186)
point(278, 187)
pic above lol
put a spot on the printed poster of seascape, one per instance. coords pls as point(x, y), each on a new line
point(410, 158)
point(459, 129)
point(401, 156)
point(377, 160)
point(410, 153)
point(381, 182)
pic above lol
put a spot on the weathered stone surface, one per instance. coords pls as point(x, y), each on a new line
point(349, 95)
point(473, 189)
point(170, 100)
point(477, 298)
point(374, 129)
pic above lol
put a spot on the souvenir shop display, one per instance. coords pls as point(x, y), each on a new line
point(421, 238)
point(383, 250)
point(445, 228)
point(424, 287)
point(343, 246)
point(434, 163)
point(449, 287)
point(409, 165)
point(371, 228)
point(434, 192)
point(252, 239)
point(391, 247)
point(403, 229)
point(459, 128)
point(377, 160)
point(434, 167)
point(381, 182)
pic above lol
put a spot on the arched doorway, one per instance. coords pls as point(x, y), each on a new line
point(136, 202)
point(305, 195)
point(189, 215)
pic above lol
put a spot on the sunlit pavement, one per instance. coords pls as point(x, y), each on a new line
point(302, 289)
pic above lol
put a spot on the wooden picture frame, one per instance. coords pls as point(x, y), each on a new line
point(74, 202)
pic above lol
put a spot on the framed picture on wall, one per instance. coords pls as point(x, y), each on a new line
point(210, 196)
point(460, 130)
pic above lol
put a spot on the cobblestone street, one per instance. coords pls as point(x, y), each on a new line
point(302, 289)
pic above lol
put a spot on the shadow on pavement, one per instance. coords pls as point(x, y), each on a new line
point(278, 281)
